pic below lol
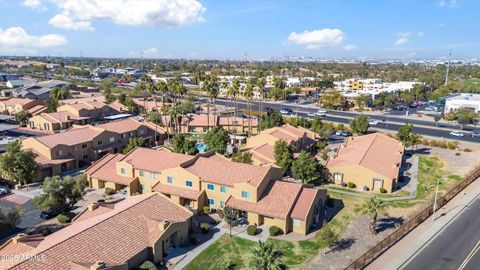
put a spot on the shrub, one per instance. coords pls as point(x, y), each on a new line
point(434, 143)
point(148, 265)
point(467, 150)
point(46, 231)
point(442, 144)
point(251, 230)
point(383, 190)
point(65, 218)
point(274, 230)
point(109, 191)
point(206, 209)
point(426, 142)
point(457, 154)
point(452, 145)
point(351, 185)
point(204, 227)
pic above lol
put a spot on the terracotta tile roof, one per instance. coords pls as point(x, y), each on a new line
point(121, 126)
point(105, 169)
point(286, 133)
point(264, 151)
point(238, 121)
point(59, 117)
point(219, 170)
point(114, 237)
point(304, 202)
point(44, 161)
point(37, 109)
point(70, 137)
point(155, 160)
point(100, 98)
point(176, 191)
point(375, 151)
point(277, 201)
point(15, 101)
point(87, 213)
point(283, 136)
point(201, 120)
point(117, 106)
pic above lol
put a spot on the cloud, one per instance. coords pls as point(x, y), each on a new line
point(402, 38)
point(18, 37)
point(65, 22)
point(79, 14)
point(449, 3)
point(420, 34)
point(35, 5)
point(318, 39)
point(350, 47)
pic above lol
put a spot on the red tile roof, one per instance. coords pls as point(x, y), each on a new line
point(70, 137)
point(219, 170)
point(105, 169)
point(113, 237)
point(121, 126)
point(375, 151)
point(176, 191)
point(303, 204)
point(277, 202)
point(155, 160)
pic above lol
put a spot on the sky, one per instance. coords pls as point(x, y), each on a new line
point(229, 29)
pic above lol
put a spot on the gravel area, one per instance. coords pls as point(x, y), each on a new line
point(356, 241)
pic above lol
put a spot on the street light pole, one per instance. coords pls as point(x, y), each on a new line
point(435, 201)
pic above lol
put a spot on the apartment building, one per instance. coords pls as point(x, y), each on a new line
point(122, 235)
point(14, 105)
point(262, 145)
point(80, 145)
point(462, 101)
point(201, 123)
point(370, 161)
point(213, 180)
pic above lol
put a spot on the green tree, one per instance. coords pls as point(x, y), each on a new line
point(131, 105)
point(283, 155)
point(248, 95)
point(22, 117)
point(52, 104)
point(361, 101)
point(155, 117)
point(11, 217)
point(269, 120)
point(407, 97)
point(359, 124)
point(107, 85)
point(242, 157)
point(332, 100)
point(217, 139)
point(56, 192)
point(183, 145)
point(465, 117)
point(266, 257)
point(304, 168)
point(327, 236)
point(372, 207)
point(229, 215)
point(133, 143)
point(18, 165)
point(188, 107)
point(122, 98)
point(261, 82)
point(407, 137)
point(60, 93)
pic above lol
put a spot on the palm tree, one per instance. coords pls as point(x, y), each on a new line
point(145, 80)
point(212, 92)
point(233, 92)
point(175, 114)
point(266, 257)
point(372, 207)
point(248, 94)
point(162, 87)
point(261, 82)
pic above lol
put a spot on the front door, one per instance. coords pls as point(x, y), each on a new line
point(377, 184)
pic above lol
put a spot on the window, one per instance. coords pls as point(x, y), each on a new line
point(143, 186)
point(338, 177)
point(112, 139)
point(189, 183)
point(142, 173)
point(123, 171)
point(59, 153)
point(131, 134)
point(169, 179)
point(100, 142)
point(153, 175)
point(210, 186)
point(85, 157)
point(245, 194)
point(296, 223)
point(142, 131)
point(223, 189)
point(124, 135)
point(211, 201)
point(84, 146)
point(222, 204)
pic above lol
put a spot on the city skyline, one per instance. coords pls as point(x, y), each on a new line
point(217, 30)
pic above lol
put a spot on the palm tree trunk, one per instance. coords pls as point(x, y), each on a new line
point(373, 225)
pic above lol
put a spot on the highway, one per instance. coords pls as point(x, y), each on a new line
point(456, 247)
point(426, 128)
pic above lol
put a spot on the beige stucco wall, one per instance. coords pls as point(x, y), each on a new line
point(362, 176)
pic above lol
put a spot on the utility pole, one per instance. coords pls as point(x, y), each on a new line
point(435, 201)
point(81, 59)
point(448, 67)
point(141, 59)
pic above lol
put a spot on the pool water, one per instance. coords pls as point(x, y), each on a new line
point(201, 147)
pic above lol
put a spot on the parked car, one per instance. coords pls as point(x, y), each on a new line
point(373, 122)
point(343, 133)
point(4, 191)
point(456, 134)
point(49, 214)
point(475, 134)
point(286, 111)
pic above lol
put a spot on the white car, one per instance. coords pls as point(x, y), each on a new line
point(4, 191)
point(373, 122)
point(311, 114)
point(321, 112)
point(457, 134)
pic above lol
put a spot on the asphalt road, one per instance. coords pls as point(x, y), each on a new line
point(428, 128)
point(456, 247)
point(31, 216)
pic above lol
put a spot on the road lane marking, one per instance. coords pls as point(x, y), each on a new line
point(470, 256)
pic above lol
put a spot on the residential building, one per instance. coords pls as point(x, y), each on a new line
point(463, 100)
point(213, 180)
point(14, 105)
point(262, 145)
point(19, 83)
point(201, 123)
point(80, 145)
point(106, 236)
point(56, 121)
point(370, 161)
point(37, 91)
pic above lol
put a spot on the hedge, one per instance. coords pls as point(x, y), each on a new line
point(274, 230)
point(251, 230)
point(204, 227)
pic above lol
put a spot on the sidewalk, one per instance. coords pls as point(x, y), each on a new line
point(399, 255)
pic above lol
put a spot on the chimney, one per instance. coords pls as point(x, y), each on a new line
point(98, 265)
point(18, 238)
point(92, 206)
point(163, 225)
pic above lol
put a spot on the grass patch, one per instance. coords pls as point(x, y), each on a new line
point(430, 170)
point(342, 189)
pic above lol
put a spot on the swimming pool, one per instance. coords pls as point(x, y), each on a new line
point(201, 147)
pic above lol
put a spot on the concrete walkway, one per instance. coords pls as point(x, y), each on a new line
point(399, 255)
